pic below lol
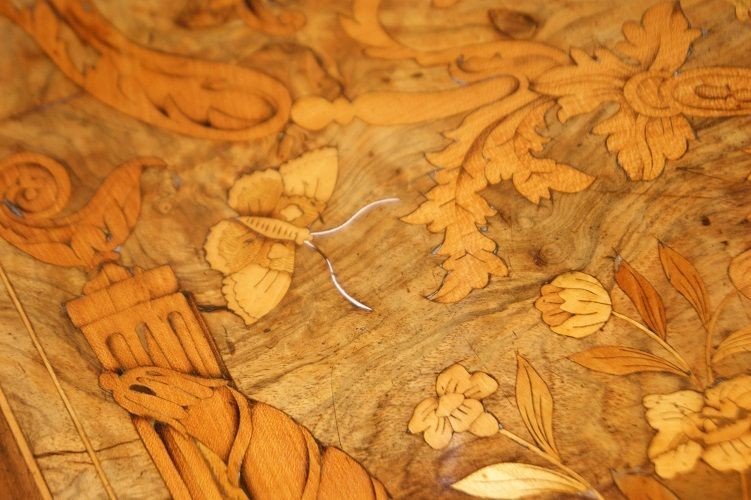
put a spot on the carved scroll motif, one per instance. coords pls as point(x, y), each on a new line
point(35, 189)
point(508, 85)
point(207, 439)
point(199, 98)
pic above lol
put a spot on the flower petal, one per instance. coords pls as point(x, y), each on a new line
point(485, 425)
point(465, 414)
point(438, 434)
point(482, 386)
point(667, 413)
point(682, 459)
point(736, 390)
point(579, 326)
point(730, 455)
point(452, 380)
point(448, 403)
point(424, 416)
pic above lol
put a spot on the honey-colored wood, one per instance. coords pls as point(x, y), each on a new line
point(206, 438)
point(188, 96)
point(573, 324)
point(37, 189)
point(498, 140)
point(255, 13)
point(256, 251)
point(19, 472)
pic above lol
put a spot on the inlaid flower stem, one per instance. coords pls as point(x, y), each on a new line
point(549, 458)
point(679, 359)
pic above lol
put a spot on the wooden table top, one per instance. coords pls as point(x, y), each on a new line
point(371, 249)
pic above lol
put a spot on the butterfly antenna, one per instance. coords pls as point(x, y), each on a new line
point(338, 287)
point(354, 217)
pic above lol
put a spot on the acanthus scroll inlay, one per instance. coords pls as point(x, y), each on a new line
point(36, 188)
point(509, 85)
point(189, 96)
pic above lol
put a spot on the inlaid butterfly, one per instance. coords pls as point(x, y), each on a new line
point(256, 250)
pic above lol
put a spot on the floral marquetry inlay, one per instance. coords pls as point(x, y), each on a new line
point(190, 190)
point(513, 84)
point(710, 423)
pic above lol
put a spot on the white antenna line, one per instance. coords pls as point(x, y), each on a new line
point(338, 287)
point(354, 216)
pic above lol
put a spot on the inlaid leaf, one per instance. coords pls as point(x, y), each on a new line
point(740, 273)
point(686, 279)
point(535, 405)
point(636, 487)
point(736, 343)
point(515, 480)
point(503, 151)
point(643, 295)
point(617, 360)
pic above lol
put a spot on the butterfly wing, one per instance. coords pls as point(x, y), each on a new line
point(257, 193)
point(258, 267)
point(312, 175)
point(257, 271)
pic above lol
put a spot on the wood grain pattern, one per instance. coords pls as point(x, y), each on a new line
point(499, 140)
point(205, 437)
point(354, 378)
point(19, 472)
point(188, 96)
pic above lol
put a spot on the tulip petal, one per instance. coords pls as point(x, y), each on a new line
point(584, 283)
point(424, 416)
point(482, 386)
point(438, 434)
point(734, 454)
point(452, 380)
point(580, 326)
point(485, 425)
point(549, 304)
point(465, 414)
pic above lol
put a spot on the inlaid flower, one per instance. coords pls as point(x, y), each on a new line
point(649, 126)
point(456, 409)
point(574, 304)
point(714, 427)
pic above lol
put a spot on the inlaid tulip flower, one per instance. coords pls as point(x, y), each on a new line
point(714, 427)
point(456, 409)
point(574, 304)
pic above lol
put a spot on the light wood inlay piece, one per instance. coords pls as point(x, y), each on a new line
point(483, 94)
point(19, 472)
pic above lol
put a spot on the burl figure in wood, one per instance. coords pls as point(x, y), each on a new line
point(206, 438)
